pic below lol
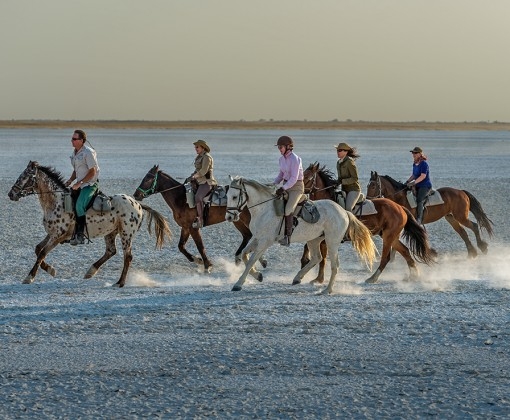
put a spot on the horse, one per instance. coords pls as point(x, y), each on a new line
point(390, 220)
point(334, 222)
point(455, 209)
point(174, 193)
point(124, 219)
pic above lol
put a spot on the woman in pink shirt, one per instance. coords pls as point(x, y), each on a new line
point(291, 174)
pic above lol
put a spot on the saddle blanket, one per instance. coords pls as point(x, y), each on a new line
point(433, 199)
point(365, 208)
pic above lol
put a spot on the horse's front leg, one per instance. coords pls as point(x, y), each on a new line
point(41, 252)
point(110, 251)
point(44, 265)
point(255, 255)
point(182, 246)
point(245, 255)
point(128, 257)
point(334, 270)
point(315, 257)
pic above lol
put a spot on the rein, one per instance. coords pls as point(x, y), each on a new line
point(152, 189)
point(242, 201)
point(379, 188)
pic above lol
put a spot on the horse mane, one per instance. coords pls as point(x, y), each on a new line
point(268, 189)
point(170, 177)
point(54, 176)
point(396, 184)
point(327, 175)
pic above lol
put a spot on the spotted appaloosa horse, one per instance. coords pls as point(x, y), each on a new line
point(124, 220)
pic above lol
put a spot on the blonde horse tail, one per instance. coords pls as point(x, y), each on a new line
point(161, 226)
point(361, 239)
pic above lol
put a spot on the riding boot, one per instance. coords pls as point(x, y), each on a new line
point(419, 212)
point(78, 237)
point(289, 226)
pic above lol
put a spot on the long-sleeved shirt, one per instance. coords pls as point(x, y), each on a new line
point(291, 170)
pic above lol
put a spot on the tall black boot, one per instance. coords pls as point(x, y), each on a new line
point(289, 226)
point(419, 212)
point(79, 237)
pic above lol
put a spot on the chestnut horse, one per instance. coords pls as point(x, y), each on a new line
point(174, 193)
point(455, 209)
point(390, 220)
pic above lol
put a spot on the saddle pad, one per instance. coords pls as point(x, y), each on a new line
point(434, 199)
point(365, 208)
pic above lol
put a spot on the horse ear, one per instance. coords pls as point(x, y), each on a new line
point(231, 179)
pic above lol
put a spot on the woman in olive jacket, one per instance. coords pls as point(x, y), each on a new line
point(348, 174)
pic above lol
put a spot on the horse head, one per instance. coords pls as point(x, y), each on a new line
point(374, 187)
point(148, 185)
point(26, 184)
point(237, 198)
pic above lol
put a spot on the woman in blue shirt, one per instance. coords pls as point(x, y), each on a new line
point(420, 179)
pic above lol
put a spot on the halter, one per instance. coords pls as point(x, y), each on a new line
point(378, 188)
point(313, 179)
point(152, 189)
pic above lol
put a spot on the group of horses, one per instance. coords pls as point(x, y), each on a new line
point(251, 209)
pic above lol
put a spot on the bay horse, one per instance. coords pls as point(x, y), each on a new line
point(265, 225)
point(174, 193)
point(455, 209)
point(389, 223)
point(124, 219)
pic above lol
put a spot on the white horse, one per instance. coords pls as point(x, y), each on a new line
point(124, 219)
point(265, 226)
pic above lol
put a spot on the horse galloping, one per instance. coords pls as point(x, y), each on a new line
point(333, 224)
point(124, 219)
point(455, 209)
point(174, 193)
point(390, 221)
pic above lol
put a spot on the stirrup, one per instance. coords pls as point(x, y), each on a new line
point(196, 224)
point(285, 241)
point(78, 239)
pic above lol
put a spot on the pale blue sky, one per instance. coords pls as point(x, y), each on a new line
point(379, 60)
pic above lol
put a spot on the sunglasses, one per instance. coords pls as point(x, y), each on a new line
point(415, 153)
point(75, 138)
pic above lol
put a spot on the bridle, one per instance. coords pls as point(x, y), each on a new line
point(313, 188)
point(152, 189)
point(378, 187)
point(30, 186)
point(242, 200)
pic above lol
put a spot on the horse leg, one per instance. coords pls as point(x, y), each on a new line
point(110, 251)
point(182, 247)
point(44, 265)
point(333, 256)
point(411, 264)
point(463, 234)
point(315, 256)
point(322, 264)
point(197, 238)
point(41, 253)
point(128, 257)
point(480, 243)
point(256, 254)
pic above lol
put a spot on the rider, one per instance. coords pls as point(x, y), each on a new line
point(291, 173)
point(86, 173)
point(348, 174)
point(203, 175)
point(420, 179)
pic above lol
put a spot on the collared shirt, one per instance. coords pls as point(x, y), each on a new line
point(82, 161)
point(291, 170)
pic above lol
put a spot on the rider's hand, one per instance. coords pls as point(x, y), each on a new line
point(411, 183)
point(280, 191)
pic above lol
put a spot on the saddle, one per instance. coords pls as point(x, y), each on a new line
point(433, 198)
point(363, 206)
point(307, 210)
point(99, 202)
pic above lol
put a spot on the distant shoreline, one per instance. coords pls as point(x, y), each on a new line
point(256, 125)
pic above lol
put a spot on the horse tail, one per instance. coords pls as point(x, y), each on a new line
point(476, 208)
point(161, 227)
point(417, 240)
point(361, 239)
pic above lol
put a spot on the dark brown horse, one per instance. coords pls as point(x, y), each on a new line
point(456, 208)
point(174, 193)
point(389, 222)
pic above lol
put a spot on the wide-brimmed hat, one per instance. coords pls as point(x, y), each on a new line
point(203, 144)
point(416, 150)
point(343, 146)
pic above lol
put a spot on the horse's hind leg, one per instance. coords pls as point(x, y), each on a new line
point(463, 234)
point(480, 243)
point(315, 256)
point(109, 252)
point(197, 238)
point(322, 264)
point(182, 247)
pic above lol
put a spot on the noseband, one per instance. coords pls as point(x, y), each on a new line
point(152, 189)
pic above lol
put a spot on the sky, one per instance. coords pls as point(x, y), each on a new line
point(316, 60)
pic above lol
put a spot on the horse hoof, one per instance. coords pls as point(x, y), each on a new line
point(90, 273)
point(236, 288)
point(52, 272)
point(296, 281)
point(28, 280)
point(371, 280)
point(260, 277)
point(263, 262)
